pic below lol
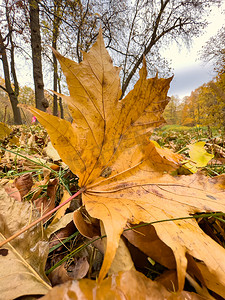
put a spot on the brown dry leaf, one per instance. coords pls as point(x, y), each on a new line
point(77, 270)
point(123, 174)
point(22, 270)
point(12, 191)
point(127, 285)
point(31, 142)
point(47, 202)
point(146, 239)
point(63, 222)
point(169, 280)
point(24, 184)
point(59, 275)
point(61, 234)
point(23, 139)
point(38, 186)
point(85, 226)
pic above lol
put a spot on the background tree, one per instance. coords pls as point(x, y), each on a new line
point(40, 100)
point(172, 111)
point(72, 27)
point(131, 29)
point(151, 25)
point(10, 25)
point(5, 103)
point(188, 115)
point(205, 105)
point(56, 24)
point(214, 51)
point(27, 95)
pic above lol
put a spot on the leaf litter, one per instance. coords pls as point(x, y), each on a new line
point(22, 269)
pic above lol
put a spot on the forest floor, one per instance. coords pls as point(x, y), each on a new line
point(31, 170)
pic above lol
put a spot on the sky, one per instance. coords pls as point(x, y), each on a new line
point(189, 71)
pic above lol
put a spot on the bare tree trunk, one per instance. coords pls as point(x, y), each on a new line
point(41, 102)
point(13, 94)
point(55, 98)
point(60, 102)
point(54, 45)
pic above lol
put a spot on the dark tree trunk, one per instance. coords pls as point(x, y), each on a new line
point(55, 98)
point(41, 102)
point(55, 67)
point(56, 24)
point(13, 95)
point(60, 102)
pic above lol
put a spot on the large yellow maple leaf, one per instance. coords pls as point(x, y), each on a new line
point(124, 176)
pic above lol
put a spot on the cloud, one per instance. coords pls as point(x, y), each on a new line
point(189, 78)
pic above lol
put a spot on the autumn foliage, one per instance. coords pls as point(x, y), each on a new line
point(126, 178)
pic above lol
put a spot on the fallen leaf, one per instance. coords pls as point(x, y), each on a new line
point(210, 280)
point(4, 131)
point(122, 260)
point(63, 222)
point(31, 142)
point(47, 202)
point(14, 141)
point(61, 234)
point(12, 191)
point(22, 268)
point(59, 275)
point(169, 280)
point(199, 157)
point(24, 183)
point(124, 285)
point(23, 139)
point(86, 227)
point(146, 239)
point(168, 154)
point(79, 268)
point(60, 213)
point(124, 175)
point(51, 152)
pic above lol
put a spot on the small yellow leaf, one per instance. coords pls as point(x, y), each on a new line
point(199, 155)
point(4, 130)
point(14, 141)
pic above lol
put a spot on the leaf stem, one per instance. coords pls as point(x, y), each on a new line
point(42, 218)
